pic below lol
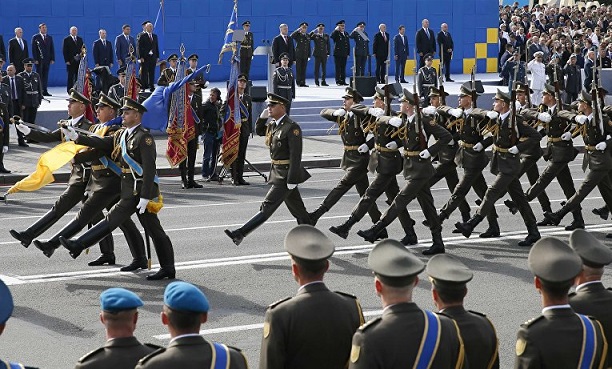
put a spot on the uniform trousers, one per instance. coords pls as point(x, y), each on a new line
point(187, 166)
point(553, 170)
point(320, 63)
point(472, 178)
point(360, 62)
point(278, 194)
point(238, 164)
point(448, 171)
point(300, 70)
point(359, 179)
point(340, 63)
point(599, 178)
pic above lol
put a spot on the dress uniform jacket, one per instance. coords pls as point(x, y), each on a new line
point(428, 78)
point(283, 82)
point(554, 340)
point(189, 352)
point(448, 152)
point(302, 44)
point(341, 43)
point(117, 353)
point(361, 45)
point(32, 90)
point(592, 134)
point(595, 300)
point(351, 132)
point(387, 161)
point(322, 46)
point(557, 150)
point(392, 341)
point(479, 337)
point(311, 330)
point(246, 46)
point(167, 76)
point(469, 126)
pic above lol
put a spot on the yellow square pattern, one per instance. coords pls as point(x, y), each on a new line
point(481, 52)
point(409, 68)
point(491, 65)
point(468, 63)
point(492, 34)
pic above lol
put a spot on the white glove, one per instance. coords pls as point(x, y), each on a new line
point(601, 146)
point(517, 105)
point(291, 186)
point(478, 147)
point(142, 205)
point(4, 149)
point(395, 122)
point(566, 136)
point(425, 154)
point(391, 145)
point(492, 114)
point(264, 114)
point(363, 148)
point(456, 112)
point(513, 150)
point(201, 139)
point(451, 143)
point(23, 129)
point(339, 113)
point(376, 112)
point(544, 117)
point(430, 110)
point(580, 119)
point(70, 133)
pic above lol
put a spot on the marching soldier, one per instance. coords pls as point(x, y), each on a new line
point(428, 78)
point(122, 349)
point(187, 166)
point(246, 130)
point(284, 138)
point(283, 81)
point(169, 74)
point(342, 49)
point(302, 53)
point(559, 338)
point(418, 170)
point(246, 49)
point(117, 91)
point(396, 338)
point(6, 105)
point(313, 329)
point(505, 130)
point(449, 278)
point(362, 48)
point(321, 51)
point(32, 91)
point(134, 148)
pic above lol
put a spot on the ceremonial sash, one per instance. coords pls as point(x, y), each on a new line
point(589, 343)
point(429, 342)
point(220, 356)
point(101, 131)
point(133, 164)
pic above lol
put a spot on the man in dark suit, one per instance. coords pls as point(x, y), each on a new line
point(246, 49)
point(43, 52)
point(103, 51)
point(380, 50)
point(361, 48)
point(314, 328)
point(402, 51)
point(341, 51)
point(123, 42)
point(321, 52)
point(15, 83)
point(445, 40)
point(71, 48)
point(148, 55)
point(18, 50)
point(425, 42)
point(281, 44)
point(302, 53)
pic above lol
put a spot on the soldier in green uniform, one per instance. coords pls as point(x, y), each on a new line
point(31, 90)
point(314, 328)
point(168, 75)
point(418, 170)
point(322, 48)
point(246, 49)
point(559, 338)
point(283, 81)
point(428, 78)
point(187, 166)
point(134, 148)
point(246, 129)
point(449, 278)
point(122, 349)
point(398, 338)
point(302, 53)
point(185, 310)
point(591, 297)
point(284, 138)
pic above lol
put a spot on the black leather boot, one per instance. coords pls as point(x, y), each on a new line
point(166, 261)
point(184, 183)
point(315, 215)
point(438, 244)
point(467, 228)
point(532, 236)
point(238, 235)
point(492, 231)
point(602, 212)
point(103, 259)
point(36, 229)
point(371, 234)
point(552, 218)
point(135, 265)
point(87, 239)
point(343, 229)
point(410, 238)
point(382, 234)
point(465, 216)
point(577, 223)
point(511, 205)
point(48, 247)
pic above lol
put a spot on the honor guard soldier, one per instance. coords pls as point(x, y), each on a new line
point(122, 349)
point(134, 148)
point(313, 329)
point(428, 78)
point(199, 80)
point(117, 91)
point(418, 170)
point(246, 49)
point(169, 74)
point(32, 91)
point(321, 52)
point(187, 166)
point(185, 310)
point(246, 130)
point(356, 155)
point(449, 278)
point(79, 175)
point(6, 105)
point(404, 334)
point(342, 49)
point(284, 138)
point(559, 338)
point(302, 53)
point(283, 81)
point(591, 297)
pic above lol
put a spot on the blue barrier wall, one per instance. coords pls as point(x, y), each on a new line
point(201, 24)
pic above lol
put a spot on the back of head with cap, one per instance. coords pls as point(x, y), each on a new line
point(555, 266)
point(310, 249)
point(449, 277)
point(593, 253)
point(185, 308)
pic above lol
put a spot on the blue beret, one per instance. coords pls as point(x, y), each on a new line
point(6, 303)
point(118, 299)
point(183, 296)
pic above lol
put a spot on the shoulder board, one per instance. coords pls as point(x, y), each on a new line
point(478, 313)
point(369, 324)
point(275, 304)
point(153, 346)
point(234, 348)
point(532, 321)
point(346, 294)
point(90, 354)
point(153, 354)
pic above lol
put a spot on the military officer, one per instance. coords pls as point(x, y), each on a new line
point(397, 337)
point(187, 166)
point(362, 48)
point(6, 105)
point(314, 328)
point(117, 91)
point(284, 138)
point(558, 338)
point(31, 91)
point(169, 74)
point(134, 148)
point(591, 297)
point(321, 52)
point(79, 175)
point(246, 129)
point(122, 349)
point(342, 49)
point(356, 154)
point(283, 81)
point(199, 80)
point(246, 49)
point(418, 170)
point(449, 278)
point(428, 78)
point(302, 53)
point(185, 310)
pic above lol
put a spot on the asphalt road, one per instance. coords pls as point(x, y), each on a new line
point(56, 315)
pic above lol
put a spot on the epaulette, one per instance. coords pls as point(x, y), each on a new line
point(478, 313)
point(275, 304)
point(90, 354)
point(370, 323)
point(532, 321)
point(153, 346)
point(346, 294)
point(151, 355)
